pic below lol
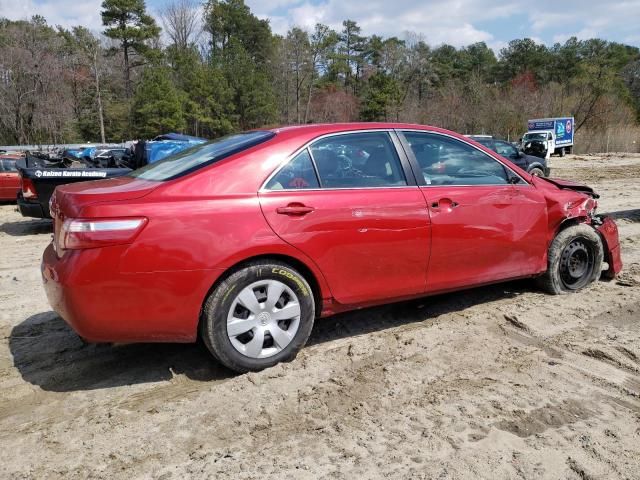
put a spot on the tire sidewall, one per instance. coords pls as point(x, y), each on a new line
point(218, 305)
point(560, 242)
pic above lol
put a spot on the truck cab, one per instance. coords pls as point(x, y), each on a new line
point(539, 143)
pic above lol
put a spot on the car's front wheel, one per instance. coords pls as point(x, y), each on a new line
point(258, 316)
point(574, 260)
point(537, 172)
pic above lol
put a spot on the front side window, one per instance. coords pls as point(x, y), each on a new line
point(201, 155)
point(358, 160)
point(447, 161)
point(296, 175)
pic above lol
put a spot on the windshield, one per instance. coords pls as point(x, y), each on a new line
point(201, 155)
point(535, 136)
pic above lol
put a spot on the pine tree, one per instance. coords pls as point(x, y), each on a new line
point(157, 104)
point(128, 22)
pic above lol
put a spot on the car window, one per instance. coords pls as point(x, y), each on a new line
point(7, 165)
point(447, 161)
point(297, 174)
point(506, 149)
point(358, 160)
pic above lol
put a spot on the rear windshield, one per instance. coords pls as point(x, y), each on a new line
point(201, 155)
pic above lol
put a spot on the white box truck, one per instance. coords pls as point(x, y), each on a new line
point(547, 136)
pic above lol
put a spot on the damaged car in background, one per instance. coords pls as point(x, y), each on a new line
point(290, 224)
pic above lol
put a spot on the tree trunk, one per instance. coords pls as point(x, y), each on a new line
point(127, 73)
point(98, 97)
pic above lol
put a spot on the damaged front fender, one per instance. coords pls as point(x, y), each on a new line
point(608, 231)
point(569, 203)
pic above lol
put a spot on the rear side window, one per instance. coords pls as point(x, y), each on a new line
point(446, 161)
point(358, 160)
point(297, 174)
point(201, 155)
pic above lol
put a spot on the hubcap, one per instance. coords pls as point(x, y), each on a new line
point(263, 319)
point(576, 264)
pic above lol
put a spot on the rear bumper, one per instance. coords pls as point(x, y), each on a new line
point(608, 231)
point(31, 209)
point(102, 304)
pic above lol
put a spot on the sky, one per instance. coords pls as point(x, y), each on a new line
point(456, 22)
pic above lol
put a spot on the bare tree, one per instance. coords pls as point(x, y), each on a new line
point(182, 22)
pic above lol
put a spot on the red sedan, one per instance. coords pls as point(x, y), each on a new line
point(247, 239)
point(9, 178)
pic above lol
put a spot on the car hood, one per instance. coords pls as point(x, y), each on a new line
point(568, 185)
point(72, 198)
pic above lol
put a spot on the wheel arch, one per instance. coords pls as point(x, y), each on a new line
point(313, 277)
point(537, 165)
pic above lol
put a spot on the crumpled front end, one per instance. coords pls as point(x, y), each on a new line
point(608, 231)
point(575, 203)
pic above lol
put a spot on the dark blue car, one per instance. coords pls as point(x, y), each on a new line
point(534, 165)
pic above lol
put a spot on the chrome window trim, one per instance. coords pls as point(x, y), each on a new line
point(472, 146)
point(307, 145)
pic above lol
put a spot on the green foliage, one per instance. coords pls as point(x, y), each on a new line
point(241, 45)
point(206, 95)
point(232, 26)
point(157, 105)
point(128, 22)
point(381, 96)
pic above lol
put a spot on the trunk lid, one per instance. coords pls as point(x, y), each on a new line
point(72, 198)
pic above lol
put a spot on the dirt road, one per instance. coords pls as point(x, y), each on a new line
point(496, 382)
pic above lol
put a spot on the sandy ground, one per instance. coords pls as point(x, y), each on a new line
point(496, 382)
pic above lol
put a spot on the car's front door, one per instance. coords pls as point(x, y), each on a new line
point(350, 204)
point(484, 228)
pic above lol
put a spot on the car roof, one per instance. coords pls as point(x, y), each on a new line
point(311, 131)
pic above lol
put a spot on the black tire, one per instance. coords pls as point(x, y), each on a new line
point(213, 325)
point(537, 172)
point(562, 152)
point(574, 261)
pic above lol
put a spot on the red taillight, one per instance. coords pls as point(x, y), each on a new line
point(76, 234)
point(28, 190)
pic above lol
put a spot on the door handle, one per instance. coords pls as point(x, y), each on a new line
point(294, 209)
point(444, 203)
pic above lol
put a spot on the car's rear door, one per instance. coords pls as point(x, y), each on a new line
point(484, 228)
point(349, 201)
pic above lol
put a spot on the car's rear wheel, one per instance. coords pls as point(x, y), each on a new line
point(562, 152)
point(258, 316)
point(537, 172)
point(574, 261)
